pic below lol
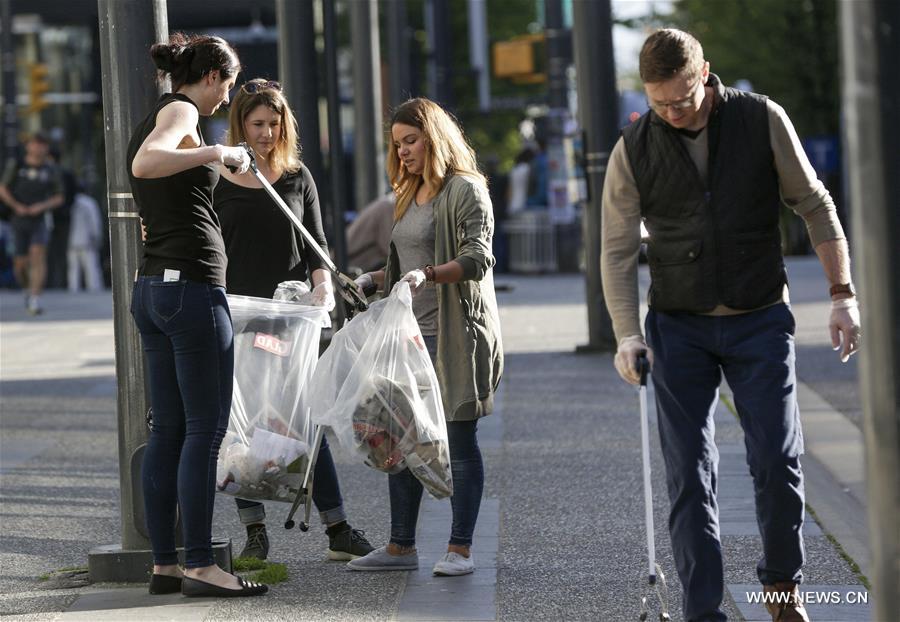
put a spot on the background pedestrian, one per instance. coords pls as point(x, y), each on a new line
point(32, 188)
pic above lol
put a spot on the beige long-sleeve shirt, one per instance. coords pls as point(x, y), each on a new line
point(799, 187)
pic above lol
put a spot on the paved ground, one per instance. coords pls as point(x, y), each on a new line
point(561, 535)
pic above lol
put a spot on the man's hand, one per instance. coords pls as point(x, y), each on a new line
point(627, 355)
point(844, 327)
point(416, 280)
point(323, 295)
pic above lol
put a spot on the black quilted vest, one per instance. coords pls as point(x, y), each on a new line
point(717, 240)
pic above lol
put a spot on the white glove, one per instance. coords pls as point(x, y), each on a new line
point(234, 158)
point(416, 280)
point(365, 283)
point(626, 358)
point(844, 327)
point(323, 295)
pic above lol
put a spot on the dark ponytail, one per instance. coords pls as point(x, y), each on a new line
point(188, 58)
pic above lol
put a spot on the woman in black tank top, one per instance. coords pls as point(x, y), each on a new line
point(261, 117)
point(180, 309)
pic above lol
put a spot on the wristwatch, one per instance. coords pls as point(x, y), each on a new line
point(842, 288)
point(429, 272)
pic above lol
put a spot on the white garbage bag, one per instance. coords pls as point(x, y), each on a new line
point(266, 448)
point(376, 388)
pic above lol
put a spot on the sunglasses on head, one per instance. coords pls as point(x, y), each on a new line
point(254, 87)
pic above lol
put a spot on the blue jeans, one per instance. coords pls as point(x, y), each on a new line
point(188, 338)
point(755, 351)
point(467, 469)
point(326, 493)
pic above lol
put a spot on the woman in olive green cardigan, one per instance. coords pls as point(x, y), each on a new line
point(441, 245)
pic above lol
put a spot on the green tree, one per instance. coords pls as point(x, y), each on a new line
point(786, 49)
point(493, 134)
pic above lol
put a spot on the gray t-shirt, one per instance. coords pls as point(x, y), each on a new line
point(413, 237)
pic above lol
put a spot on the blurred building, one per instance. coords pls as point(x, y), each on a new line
point(58, 81)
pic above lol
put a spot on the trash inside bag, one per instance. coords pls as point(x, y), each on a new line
point(267, 446)
point(376, 388)
point(294, 291)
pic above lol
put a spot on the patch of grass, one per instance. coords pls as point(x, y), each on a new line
point(272, 573)
point(244, 564)
point(47, 575)
point(854, 567)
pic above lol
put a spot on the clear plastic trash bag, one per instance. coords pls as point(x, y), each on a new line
point(267, 446)
point(375, 387)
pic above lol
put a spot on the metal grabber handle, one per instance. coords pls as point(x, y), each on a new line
point(655, 576)
point(642, 366)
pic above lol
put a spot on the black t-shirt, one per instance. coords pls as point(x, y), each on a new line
point(183, 231)
point(31, 184)
point(263, 247)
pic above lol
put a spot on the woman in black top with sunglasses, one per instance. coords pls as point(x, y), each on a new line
point(263, 250)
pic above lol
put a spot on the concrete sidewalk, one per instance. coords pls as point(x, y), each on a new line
point(560, 536)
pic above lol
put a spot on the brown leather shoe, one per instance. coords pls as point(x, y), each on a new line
point(787, 606)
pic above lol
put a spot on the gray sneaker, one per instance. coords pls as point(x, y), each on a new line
point(379, 559)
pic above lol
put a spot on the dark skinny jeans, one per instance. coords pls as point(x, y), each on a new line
point(467, 469)
point(188, 340)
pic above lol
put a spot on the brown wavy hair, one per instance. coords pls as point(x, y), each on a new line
point(447, 152)
point(285, 156)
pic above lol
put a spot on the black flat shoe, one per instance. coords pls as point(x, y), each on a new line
point(164, 584)
point(195, 587)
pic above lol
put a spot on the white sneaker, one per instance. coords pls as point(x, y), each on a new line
point(453, 565)
point(34, 306)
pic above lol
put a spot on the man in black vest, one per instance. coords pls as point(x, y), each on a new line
point(707, 169)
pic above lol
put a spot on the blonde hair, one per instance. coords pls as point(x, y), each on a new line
point(285, 156)
point(447, 152)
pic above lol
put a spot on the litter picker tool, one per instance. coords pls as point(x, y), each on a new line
point(656, 579)
point(345, 285)
point(304, 497)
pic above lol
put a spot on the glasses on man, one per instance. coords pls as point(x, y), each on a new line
point(679, 105)
point(254, 87)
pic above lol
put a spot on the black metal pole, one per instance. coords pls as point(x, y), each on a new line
point(335, 136)
point(440, 74)
point(368, 143)
point(399, 59)
point(298, 73)
point(870, 41)
point(8, 62)
point(598, 109)
point(127, 30)
point(557, 58)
